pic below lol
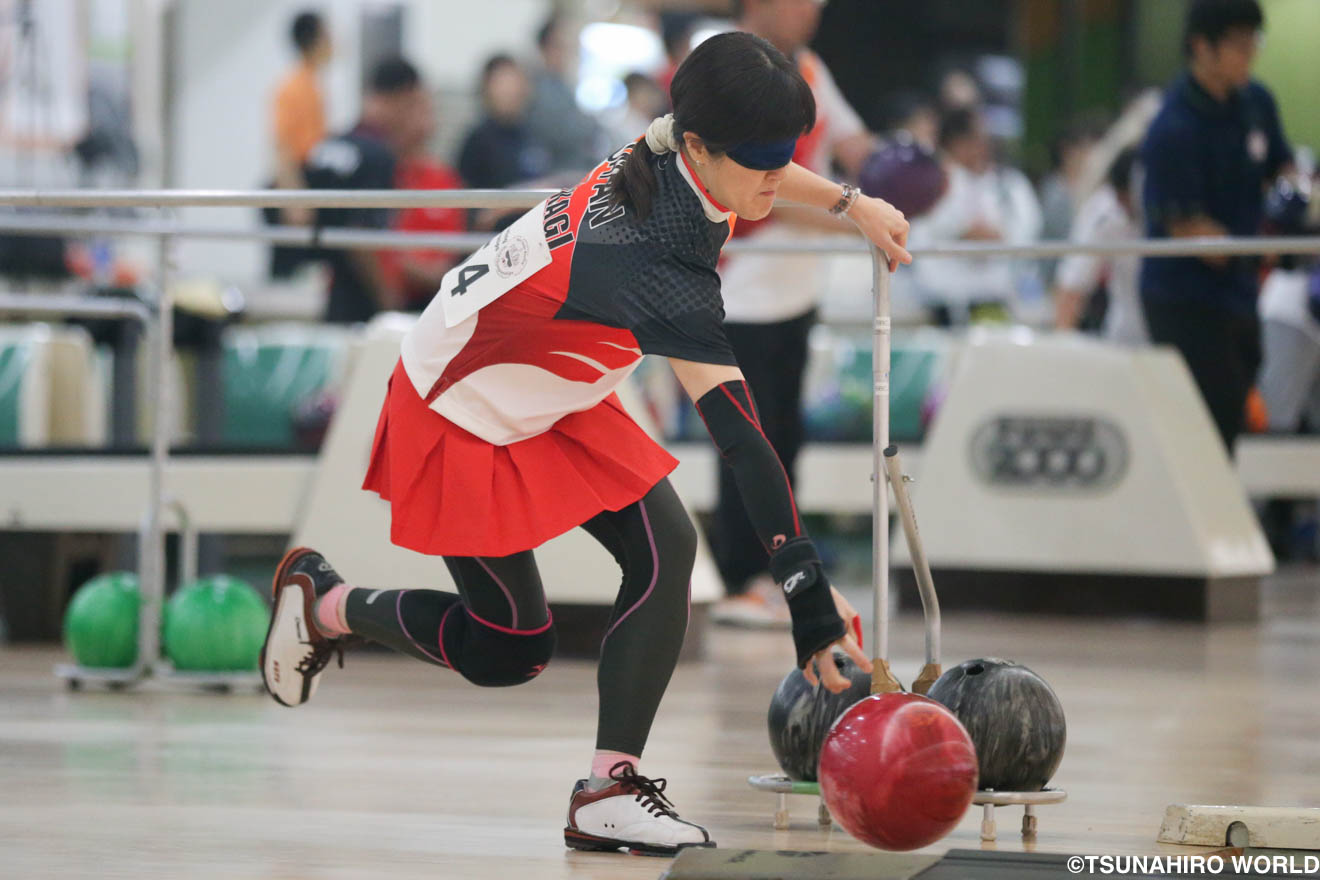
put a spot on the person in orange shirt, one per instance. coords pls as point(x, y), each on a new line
point(299, 108)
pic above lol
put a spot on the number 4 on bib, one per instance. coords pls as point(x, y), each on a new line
point(499, 266)
point(468, 273)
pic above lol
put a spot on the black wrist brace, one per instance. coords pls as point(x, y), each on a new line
point(816, 622)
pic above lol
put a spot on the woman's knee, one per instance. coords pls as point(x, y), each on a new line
point(673, 532)
point(504, 659)
point(684, 541)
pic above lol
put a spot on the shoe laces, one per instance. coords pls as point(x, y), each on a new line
point(318, 657)
point(649, 792)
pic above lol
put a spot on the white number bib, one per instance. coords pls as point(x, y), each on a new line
point(500, 265)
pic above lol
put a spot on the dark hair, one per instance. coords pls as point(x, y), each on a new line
point(1213, 19)
point(306, 30)
point(676, 30)
point(637, 79)
point(957, 124)
point(734, 88)
point(393, 75)
point(494, 63)
point(899, 107)
point(546, 30)
point(1076, 133)
point(1119, 175)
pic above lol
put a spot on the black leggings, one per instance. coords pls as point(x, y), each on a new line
point(497, 631)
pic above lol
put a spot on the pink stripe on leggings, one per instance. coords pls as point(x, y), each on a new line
point(655, 574)
point(513, 632)
point(513, 608)
point(398, 612)
point(440, 637)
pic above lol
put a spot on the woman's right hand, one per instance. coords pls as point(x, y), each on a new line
point(823, 660)
point(885, 226)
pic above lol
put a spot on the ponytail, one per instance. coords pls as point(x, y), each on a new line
point(634, 184)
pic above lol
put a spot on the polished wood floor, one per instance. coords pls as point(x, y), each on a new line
point(398, 770)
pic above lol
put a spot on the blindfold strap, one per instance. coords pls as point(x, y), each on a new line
point(764, 156)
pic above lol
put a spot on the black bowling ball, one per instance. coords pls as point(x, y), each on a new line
point(801, 715)
point(1014, 718)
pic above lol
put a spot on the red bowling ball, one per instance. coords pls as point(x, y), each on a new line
point(898, 771)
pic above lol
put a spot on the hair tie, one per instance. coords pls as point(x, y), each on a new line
point(660, 135)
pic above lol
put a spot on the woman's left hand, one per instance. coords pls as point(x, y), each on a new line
point(884, 225)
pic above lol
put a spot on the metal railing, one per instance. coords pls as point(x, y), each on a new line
point(158, 315)
point(365, 239)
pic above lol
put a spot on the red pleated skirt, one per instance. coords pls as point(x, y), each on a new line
point(453, 494)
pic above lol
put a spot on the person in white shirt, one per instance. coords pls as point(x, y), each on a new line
point(1107, 214)
point(770, 304)
point(986, 202)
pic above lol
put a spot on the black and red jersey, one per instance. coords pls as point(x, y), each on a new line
point(617, 287)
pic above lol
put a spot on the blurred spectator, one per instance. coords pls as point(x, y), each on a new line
point(298, 110)
point(1290, 374)
point(645, 102)
point(1290, 369)
point(913, 114)
point(676, 33)
point(904, 169)
point(500, 150)
point(1128, 130)
point(416, 274)
point(770, 305)
point(1060, 191)
point(365, 158)
point(1208, 157)
point(1108, 214)
point(573, 138)
point(985, 202)
point(959, 91)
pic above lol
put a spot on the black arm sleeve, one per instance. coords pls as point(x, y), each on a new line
point(730, 416)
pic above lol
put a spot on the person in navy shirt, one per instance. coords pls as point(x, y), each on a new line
point(1209, 156)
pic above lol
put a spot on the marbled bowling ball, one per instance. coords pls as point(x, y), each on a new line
point(897, 771)
point(800, 716)
point(1012, 716)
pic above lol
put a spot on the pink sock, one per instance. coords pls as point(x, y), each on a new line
point(601, 765)
point(329, 611)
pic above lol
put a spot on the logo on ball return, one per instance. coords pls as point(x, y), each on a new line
point(1049, 452)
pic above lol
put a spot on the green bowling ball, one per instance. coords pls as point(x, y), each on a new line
point(215, 624)
point(101, 622)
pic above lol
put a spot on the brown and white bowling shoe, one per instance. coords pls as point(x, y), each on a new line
point(631, 814)
point(296, 652)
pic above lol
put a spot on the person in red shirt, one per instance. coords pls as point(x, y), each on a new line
point(415, 275)
point(501, 430)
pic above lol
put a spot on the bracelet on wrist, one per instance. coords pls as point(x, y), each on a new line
point(846, 200)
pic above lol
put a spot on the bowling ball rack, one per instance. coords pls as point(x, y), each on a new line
point(780, 785)
point(888, 471)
